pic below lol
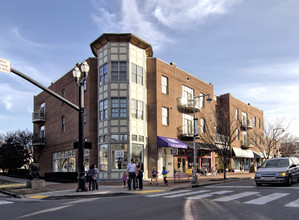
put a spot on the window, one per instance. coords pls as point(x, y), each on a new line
point(188, 125)
point(254, 121)
point(62, 124)
point(137, 74)
point(137, 109)
point(63, 95)
point(202, 126)
point(259, 123)
point(137, 153)
point(201, 100)
point(237, 135)
point(134, 137)
point(118, 71)
point(103, 74)
point(237, 114)
point(164, 85)
point(165, 116)
point(103, 157)
point(103, 111)
point(118, 107)
point(119, 156)
point(64, 161)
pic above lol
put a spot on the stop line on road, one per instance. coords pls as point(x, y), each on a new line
point(3, 202)
point(202, 194)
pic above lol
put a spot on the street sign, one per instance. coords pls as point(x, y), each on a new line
point(4, 65)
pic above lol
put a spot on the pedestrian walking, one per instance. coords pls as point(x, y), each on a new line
point(164, 173)
point(124, 179)
point(154, 176)
point(140, 175)
point(92, 178)
point(96, 171)
point(131, 168)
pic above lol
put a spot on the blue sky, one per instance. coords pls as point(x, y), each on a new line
point(249, 48)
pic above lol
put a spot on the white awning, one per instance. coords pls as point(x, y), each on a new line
point(258, 154)
point(243, 153)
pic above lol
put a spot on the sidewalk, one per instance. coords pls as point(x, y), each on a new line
point(68, 190)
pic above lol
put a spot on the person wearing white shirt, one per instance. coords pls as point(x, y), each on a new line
point(131, 168)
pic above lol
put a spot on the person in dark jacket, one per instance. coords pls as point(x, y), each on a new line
point(92, 178)
point(140, 175)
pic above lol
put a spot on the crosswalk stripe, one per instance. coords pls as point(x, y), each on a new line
point(236, 196)
point(169, 193)
point(186, 194)
point(209, 194)
point(293, 204)
point(265, 199)
point(2, 202)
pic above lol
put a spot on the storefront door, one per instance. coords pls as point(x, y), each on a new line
point(181, 164)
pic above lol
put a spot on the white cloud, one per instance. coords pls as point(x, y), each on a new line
point(141, 18)
point(189, 13)
point(15, 100)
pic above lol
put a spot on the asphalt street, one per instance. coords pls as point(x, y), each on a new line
point(235, 200)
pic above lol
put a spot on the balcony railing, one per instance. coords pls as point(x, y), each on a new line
point(245, 144)
point(38, 117)
point(247, 124)
point(184, 104)
point(39, 141)
point(221, 139)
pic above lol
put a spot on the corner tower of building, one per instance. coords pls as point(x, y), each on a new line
point(122, 101)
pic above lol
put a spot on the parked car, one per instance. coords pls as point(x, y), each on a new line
point(278, 170)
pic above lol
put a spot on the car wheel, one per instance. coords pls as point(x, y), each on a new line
point(258, 184)
point(289, 181)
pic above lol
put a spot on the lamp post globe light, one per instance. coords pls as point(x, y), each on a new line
point(80, 83)
point(209, 100)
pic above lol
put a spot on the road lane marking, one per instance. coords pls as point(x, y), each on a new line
point(235, 196)
point(81, 200)
point(3, 202)
point(209, 194)
point(293, 204)
point(44, 211)
point(150, 191)
point(186, 194)
point(169, 193)
point(265, 199)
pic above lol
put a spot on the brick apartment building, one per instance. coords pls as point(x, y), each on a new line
point(137, 107)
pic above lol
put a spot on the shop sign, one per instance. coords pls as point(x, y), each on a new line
point(4, 65)
point(119, 154)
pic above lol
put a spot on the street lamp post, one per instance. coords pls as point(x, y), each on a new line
point(80, 83)
point(194, 179)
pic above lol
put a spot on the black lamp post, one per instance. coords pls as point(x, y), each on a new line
point(80, 83)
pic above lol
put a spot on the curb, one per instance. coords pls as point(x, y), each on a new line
point(10, 194)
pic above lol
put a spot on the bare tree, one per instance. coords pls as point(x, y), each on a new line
point(288, 145)
point(221, 134)
point(268, 139)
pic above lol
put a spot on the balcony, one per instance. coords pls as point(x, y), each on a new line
point(245, 145)
point(221, 139)
point(39, 141)
point(247, 124)
point(187, 105)
point(186, 133)
point(38, 117)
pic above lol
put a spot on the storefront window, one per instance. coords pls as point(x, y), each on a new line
point(119, 156)
point(103, 157)
point(137, 153)
point(64, 161)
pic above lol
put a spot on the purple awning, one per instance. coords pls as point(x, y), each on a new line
point(170, 142)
